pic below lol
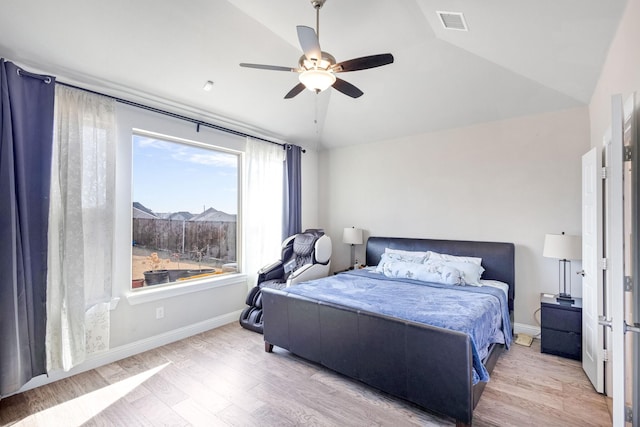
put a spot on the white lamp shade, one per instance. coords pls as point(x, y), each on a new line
point(562, 246)
point(315, 79)
point(352, 236)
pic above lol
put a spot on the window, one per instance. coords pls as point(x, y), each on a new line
point(185, 202)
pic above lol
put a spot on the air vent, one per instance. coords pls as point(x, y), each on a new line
point(452, 21)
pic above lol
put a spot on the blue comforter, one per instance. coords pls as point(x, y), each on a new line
point(481, 312)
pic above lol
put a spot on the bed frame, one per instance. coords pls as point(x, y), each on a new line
point(426, 365)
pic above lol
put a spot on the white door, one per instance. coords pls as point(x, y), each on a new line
point(592, 294)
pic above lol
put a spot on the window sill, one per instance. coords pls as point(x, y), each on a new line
point(157, 293)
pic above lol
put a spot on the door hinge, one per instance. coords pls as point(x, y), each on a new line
point(604, 263)
point(605, 355)
point(628, 284)
point(628, 414)
point(604, 174)
point(628, 152)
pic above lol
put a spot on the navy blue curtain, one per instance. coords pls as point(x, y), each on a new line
point(26, 140)
point(292, 199)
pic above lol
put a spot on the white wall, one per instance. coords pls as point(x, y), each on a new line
point(310, 217)
point(620, 73)
point(511, 181)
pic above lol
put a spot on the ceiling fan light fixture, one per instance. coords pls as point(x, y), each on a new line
point(317, 68)
point(322, 64)
point(317, 80)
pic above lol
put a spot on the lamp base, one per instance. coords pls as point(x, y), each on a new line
point(565, 298)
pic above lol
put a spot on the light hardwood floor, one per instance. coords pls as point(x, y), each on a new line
point(224, 377)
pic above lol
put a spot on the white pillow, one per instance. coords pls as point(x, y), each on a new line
point(443, 274)
point(446, 257)
point(470, 272)
point(405, 256)
point(392, 257)
point(417, 254)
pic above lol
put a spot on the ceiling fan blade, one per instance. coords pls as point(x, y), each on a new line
point(268, 67)
point(309, 42)
point(296, 90)
point(363, 63)
point(347, 88)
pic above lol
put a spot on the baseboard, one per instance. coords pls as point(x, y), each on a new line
point(137, 347)
point(522, 328)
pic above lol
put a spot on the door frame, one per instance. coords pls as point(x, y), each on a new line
point(615, 256)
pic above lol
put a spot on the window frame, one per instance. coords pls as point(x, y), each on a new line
point(132, 120)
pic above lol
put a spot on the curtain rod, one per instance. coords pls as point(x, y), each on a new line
point(198, 123)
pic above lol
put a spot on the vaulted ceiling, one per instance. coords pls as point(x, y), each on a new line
point(517, 58)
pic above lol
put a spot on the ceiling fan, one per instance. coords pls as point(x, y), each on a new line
point(317, 69)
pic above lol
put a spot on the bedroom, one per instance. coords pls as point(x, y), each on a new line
point(538, 151)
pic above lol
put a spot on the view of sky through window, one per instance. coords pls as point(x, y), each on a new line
point(175, 177)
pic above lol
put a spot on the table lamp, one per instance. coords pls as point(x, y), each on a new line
point(564, 248)
point(352, 236)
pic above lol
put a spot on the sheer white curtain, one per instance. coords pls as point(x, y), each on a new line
point(81, 217)
point(262, 207)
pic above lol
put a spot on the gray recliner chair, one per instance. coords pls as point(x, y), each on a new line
point(305, 256)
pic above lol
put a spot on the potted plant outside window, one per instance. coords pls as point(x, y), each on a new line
point(158, 273)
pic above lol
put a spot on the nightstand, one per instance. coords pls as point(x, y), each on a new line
point(561, 325)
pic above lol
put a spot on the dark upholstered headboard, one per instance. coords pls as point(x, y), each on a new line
point(498, 259)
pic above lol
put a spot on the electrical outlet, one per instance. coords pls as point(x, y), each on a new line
point(159, 312)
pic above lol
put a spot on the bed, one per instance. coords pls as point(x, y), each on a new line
point(439, 369)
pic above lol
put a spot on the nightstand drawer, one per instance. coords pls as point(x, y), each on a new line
point(565, 344)
point(561, 319)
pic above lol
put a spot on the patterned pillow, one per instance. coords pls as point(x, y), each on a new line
point(470, 271)
point(434, 273)
point(400, 256)
point(446, 257)
point(416, 254)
